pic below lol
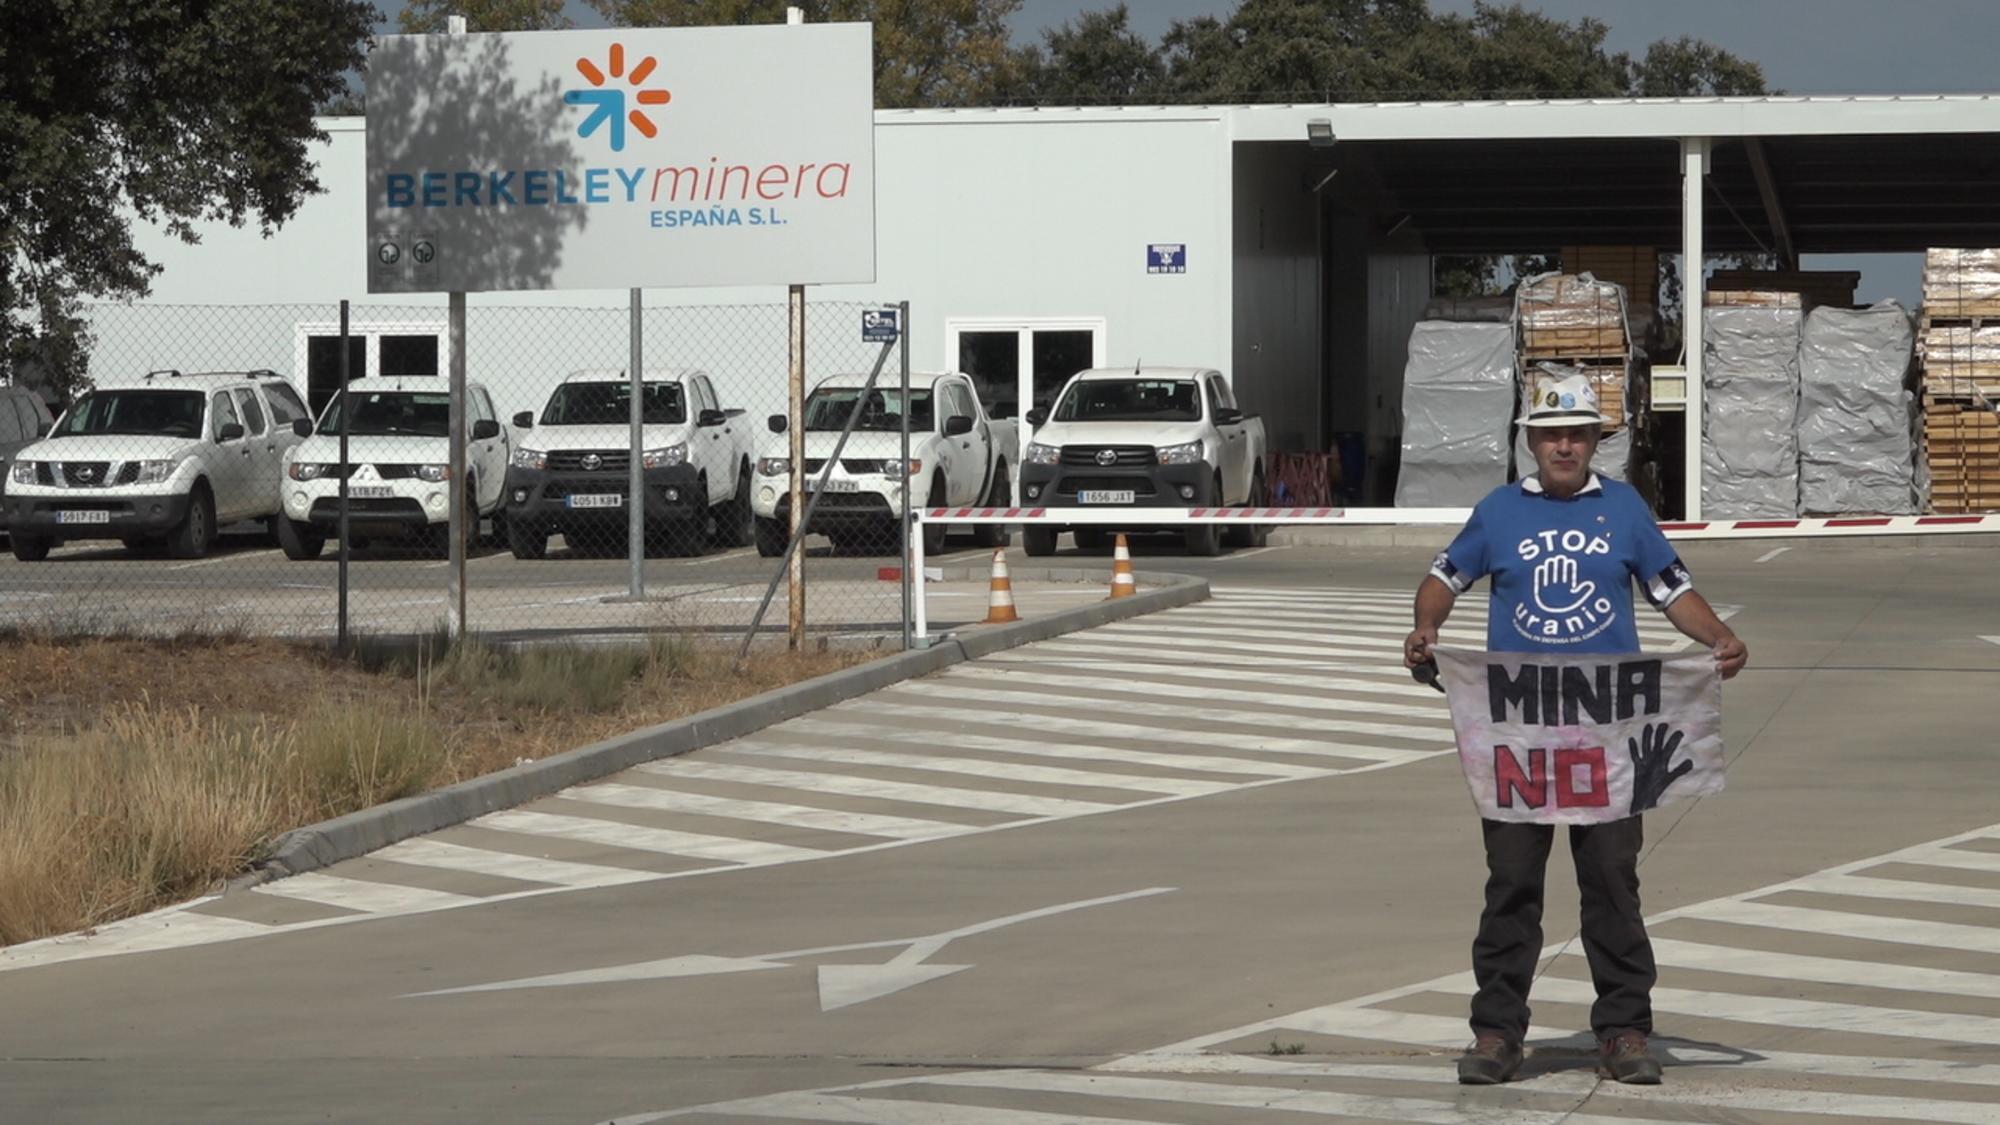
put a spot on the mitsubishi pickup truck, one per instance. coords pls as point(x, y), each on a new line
point(1144, 437)
point(959, 455)
point(573, 472)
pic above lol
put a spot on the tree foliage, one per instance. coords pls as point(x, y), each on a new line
point(1095, 58)
point(927, 52)
point(176, 111)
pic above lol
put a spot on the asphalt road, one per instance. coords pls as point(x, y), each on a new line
point(1212, 866)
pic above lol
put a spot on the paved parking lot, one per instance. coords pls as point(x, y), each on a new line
point(1215, 865)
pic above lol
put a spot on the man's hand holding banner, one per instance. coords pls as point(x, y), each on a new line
point(1584, 739)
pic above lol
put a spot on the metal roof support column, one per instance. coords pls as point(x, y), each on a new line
point(1694, 173)
point(1774, 209)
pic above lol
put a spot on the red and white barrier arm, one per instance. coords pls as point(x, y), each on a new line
point(1804, 528)
point(1831, 527)
point(1129, 516)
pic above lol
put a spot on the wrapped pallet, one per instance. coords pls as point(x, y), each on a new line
point(1458, 397)
point(1961, 283)
point(1750, 412)
point(1857, 417)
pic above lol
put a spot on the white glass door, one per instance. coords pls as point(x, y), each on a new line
point(1018, 365)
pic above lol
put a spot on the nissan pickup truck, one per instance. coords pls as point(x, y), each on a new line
point(1138, 438)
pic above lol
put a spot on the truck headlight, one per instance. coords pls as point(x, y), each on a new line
point(305, 470)
point(774, 466)
point(525, 458)
point(893, 469)
point(434, 473)
point(665, 458)
point(1189, 454)
point(155, 472)
point(1039, 454)
point(24, 472)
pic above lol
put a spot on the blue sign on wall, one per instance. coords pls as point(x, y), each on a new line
point(879, 326)
point(1166, 257)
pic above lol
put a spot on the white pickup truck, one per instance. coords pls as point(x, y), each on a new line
point(1146, 437)
point(572, 472)
point(959, 455)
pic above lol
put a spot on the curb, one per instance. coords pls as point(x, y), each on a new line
point(358, 833)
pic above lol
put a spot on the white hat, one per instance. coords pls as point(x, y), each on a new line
point(1561, 400)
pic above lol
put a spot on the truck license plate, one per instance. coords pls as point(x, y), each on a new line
point(84, 515)
point(370, 492)
point(1104, 496)
point(597, 500)
point(834, 486)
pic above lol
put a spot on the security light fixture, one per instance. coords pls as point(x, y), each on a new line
point(1319, 133)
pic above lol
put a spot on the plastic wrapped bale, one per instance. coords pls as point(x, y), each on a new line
point(1750, 412)
point(1857, 418)
point(1458, 394)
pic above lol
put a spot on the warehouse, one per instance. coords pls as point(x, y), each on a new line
point(1291, 246)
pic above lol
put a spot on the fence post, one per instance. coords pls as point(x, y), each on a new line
point(903, 345)
point(795, 560)
point(635, 492)
point(343, 639)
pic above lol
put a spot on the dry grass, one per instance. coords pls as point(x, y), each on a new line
point(136, 773)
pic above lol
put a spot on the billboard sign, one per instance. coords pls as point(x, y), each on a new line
point(635, 157)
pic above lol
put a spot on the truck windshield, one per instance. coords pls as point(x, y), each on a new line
point(1130, 400)
point(165, 413)
point(882, 413)
point(376, 413)
point(610, 404)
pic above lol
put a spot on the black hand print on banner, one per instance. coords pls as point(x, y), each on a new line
point(1652, 752)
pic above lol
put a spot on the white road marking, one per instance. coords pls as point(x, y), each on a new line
point(1808, 1015)
point(1991, 640)
point(872, 787)
point(213, 559)
point(1316, 687)
point(1957, 859)
point(427, 852)
point(766, 812)
point(1208, 763)
point(1867, 927)
point(1255, 551)
point(1903, 890)
point(616, 834)
point(361, 895)
point(1703, 957)
point(172, 928)
point(1772, 554)
point(998, 771)
point(852, 1110)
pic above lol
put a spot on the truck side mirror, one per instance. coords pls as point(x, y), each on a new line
point(230, 431)
point(1228, 416)
point(485, 429)
point(302, 427)
point(525, 420)
point(711, 418)
point(1037, 416)
point(957, 424)
point(778, 423)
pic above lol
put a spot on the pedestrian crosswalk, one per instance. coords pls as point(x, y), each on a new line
point(1872, 1006)
point(1256, 686)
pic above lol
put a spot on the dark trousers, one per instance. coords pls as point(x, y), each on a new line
point(1510, 928)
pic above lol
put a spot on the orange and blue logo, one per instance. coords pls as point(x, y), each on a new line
point(607, 104)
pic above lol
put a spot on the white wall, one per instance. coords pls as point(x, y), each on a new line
point(977, 216)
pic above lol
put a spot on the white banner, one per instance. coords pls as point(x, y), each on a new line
point(1581, 739)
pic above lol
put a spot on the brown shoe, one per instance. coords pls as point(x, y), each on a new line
point(1624, 1057)
point(1491, 1060)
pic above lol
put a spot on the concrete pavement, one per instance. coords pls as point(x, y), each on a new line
point(1325, 906)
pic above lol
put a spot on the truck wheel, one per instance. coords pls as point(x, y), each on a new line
point(469, 526)
point(1091, 538)
point(196, 533)
point(990, 535)
point(1252, 534)
point(771, 538)
point(1039, 542)
point(298, 543)
point(527, 542)
point(30, 548)
point(732, 516)
point(934, 533)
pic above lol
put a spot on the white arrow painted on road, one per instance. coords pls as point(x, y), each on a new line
point(1994, 640)
point(839, 985)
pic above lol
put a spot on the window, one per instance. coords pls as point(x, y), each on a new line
point(482, 407)
point(323, 366)
point(1131, 400)
point(1214, 396)
point(704, 395)
point(286, 405)
point(253, 415)
point(166, 413)
point(960, 402)
point(610, 404)
point(828, 408)
point(409, 355)
point(224, 413)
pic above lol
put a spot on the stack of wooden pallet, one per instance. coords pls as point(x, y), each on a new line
point(1958, 347)
point(1787, 289)
point(1637, 268)
point(1566, 319)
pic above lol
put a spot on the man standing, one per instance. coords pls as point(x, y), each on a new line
point(1563, 547)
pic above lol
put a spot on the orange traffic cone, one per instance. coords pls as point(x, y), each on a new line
point(1000, 603)
point(1123, 585)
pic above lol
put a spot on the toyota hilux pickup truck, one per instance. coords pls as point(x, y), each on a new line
point(572, 473)
point(1144, 437)
point(399, 467)
point(165, 459)
point(959, 455)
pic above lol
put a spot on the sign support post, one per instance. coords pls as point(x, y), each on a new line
point(795, 562)
point(635, 492)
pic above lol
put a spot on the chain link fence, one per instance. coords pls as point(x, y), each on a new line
point(197, 484)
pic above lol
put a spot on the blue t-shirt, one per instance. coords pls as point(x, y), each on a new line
point(1563, 568)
